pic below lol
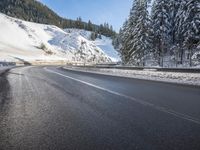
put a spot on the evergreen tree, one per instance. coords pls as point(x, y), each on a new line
point(140, 43)
point(123, 39)
point(90, 26)
point(162, 27)
point(175, 31)
point(191, 26)
point(179, 31)
point(174, 9)
point(79, 23)
point(126, 35)
point(188, 26)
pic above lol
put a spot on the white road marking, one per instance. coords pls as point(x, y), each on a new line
point(159, 108)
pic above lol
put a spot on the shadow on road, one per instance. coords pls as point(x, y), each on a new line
point(4, 92)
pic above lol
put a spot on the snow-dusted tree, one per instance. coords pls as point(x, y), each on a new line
point(140, 39)
point(126, 34)
point(179, 29)
point(162, 27)
point(123, 39)
point(134, 37)
point(192, 23)
point(191, 26)
point(175, 29)
point(174, 9)
point(188, 26)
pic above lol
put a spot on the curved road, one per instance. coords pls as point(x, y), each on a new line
point(48, 108)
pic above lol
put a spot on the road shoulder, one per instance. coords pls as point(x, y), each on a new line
point(191, 79)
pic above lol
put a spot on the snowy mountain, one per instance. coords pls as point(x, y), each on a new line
point(30, 42)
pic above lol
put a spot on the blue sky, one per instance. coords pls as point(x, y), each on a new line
point(98, 11)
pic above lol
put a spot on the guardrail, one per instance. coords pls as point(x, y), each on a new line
point(184, 70)
point(4, 64)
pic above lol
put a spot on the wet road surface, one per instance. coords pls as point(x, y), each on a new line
point(48, 108)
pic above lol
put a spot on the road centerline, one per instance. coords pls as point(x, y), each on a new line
point(142, 102)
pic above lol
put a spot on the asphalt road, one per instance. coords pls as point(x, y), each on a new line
point(47, 108)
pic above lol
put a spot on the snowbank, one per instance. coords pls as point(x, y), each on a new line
point(171, 77)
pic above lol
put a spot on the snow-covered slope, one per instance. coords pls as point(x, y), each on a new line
point(26, 41)
point(105, 43)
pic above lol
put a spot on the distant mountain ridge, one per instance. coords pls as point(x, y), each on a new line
point(35, 11)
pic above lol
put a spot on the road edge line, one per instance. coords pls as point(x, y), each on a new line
point(159, 108)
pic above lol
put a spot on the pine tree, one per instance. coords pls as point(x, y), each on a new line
point(79, 23)
point(162, 27)
point(126, 35)
point(178, 29)
point(175, 30)
point(134, 38)
point(188, 26)
point(191, 26)
point(140, 42)
point(123, 39)
point(89, 27)
point(174, 9)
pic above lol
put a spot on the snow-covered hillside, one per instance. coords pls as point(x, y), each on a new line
point(105, 43)
point(29, 42)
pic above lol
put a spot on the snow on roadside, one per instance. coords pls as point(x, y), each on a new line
point(170, 77)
